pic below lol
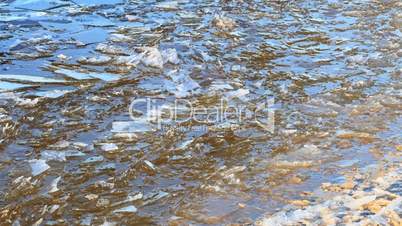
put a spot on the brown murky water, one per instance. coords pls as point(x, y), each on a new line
point(67, 156)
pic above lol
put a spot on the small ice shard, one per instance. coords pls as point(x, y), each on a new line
point(150, 164)
point(154, 196)
point(109, 147)
point(108, 166)
point(74, 153)
point(128, 209)
point(54, 155)
point(240, 94)
point(30, 78)
point(53, 185)
point(38, 166)
point(170, 56)
point(152, 57)
point(101, 60)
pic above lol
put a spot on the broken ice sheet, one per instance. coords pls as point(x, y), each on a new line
point(91, 75)
point(38, 166)
point(9, 86)
point(30, 78)
point(52, 92)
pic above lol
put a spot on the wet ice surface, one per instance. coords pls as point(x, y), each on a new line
point(69, 70)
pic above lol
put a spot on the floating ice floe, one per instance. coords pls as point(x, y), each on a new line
point(109, 147)
point(51, 93)
point(38, 166)
point(30, 78)
point(9, 86)
point(91, 75)
point(110, 49)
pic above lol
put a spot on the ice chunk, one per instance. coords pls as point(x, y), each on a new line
point(38, 166)
point(101, 60)
point(170, 56)
point(223, 23)
point(152, 57)
point(54, 155)
point(109, 147)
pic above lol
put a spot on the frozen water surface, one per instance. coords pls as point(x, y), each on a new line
point(74, 151)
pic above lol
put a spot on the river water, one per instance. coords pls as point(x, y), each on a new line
point(323, 76)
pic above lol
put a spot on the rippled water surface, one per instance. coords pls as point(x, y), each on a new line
point(70, 70)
